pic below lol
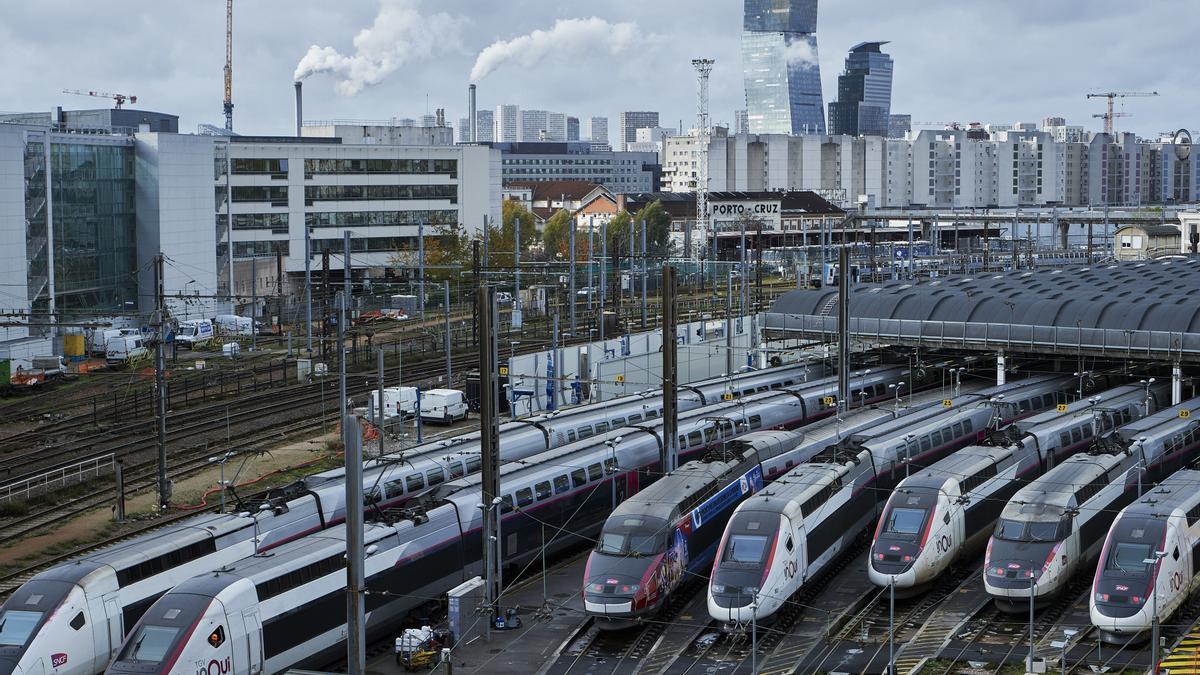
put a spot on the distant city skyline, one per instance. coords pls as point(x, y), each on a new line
point(140, 49)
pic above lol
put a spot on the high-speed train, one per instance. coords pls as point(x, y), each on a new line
point(1151, 559)
point(110, 588)
point(949, 510)
point(1054, 527)
point(810, 514)
point(570, 490)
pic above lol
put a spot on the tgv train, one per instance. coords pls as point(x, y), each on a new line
point(1054, 527)
point(950, 508)
point(789, 532)
point(661, 536)
point(1150, 560)
point(111, 588)
point(436, 543)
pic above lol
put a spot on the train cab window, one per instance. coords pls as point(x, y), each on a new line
point(578, 478)
point(524, 496)
point(756, 421)
point(610, 465)
point(635, 418)
point(601, 427)
point(595, 472)
point(414, 482)
point(695, 440)
point(561, 484)
point(542, 490)
point(474, 464)
point(217, 637)
point(506, 504)
point(434, 476)
point(570, 435)
point(79, 621)
point(456, 470)
point(585, 432)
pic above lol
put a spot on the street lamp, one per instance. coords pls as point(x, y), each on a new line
point(1156, 561)
point(221, 461)
point(896, 387)
point(1068, 633)
point(1141, 463)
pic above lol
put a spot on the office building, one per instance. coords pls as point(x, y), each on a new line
point(380, 133)
point(649, 139)
point(556, 127)
point(864, 93)
point(741, 122)
point(899, 125)
point(630, 122)
point(572, 128)
point(485, 130)
point(781, 71)
point(617, 171)
point(99, 120)
point(597, 131)
point(532, 125)
point(507, 124)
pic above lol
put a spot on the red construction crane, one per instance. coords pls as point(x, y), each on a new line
point(120, 99)
point(1109, 116)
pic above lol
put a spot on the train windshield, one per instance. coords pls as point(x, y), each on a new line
point(746, 548)
point(1128, 557)
point(905, 521)
point(17, 625)
point(1019, 530)
point(633, 535)
point(150, 644)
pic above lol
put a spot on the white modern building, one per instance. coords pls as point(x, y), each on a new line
point(356, 132)
point(507, 124)
point(597, 130)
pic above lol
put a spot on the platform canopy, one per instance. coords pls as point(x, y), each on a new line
point(1143, 310)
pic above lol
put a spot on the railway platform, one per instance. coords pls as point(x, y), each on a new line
point(526, 649)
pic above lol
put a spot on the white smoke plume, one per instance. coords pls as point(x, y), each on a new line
point(399, 35)
point(567, 37)
point(801, 52)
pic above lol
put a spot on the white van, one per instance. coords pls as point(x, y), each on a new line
point(396, 401)
point(443, 405)
point(193, 333)
point(125, 348)
point(96, 340)
point(232, 324)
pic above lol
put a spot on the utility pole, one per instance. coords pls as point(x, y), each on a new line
point(308, 288)
point(603, 274)
point(381, 409)
point(356, 642)
point(324, 301)
point(489, 418)
point(729, 325)
point(253, 303)
point(670, 348)
point(517, 270)
point(571, 274)
point(475, 279)
point(421, 267)
point(644, 310)
point(341, 333)
point(843, 328)
point(449, 361)
point(160, 384)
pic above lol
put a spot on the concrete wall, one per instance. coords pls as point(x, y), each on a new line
point(14, 292)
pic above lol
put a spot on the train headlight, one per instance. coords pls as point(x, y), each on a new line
point(1102, 597)
point(719, 588)
point(596, 588)
point(630, 588)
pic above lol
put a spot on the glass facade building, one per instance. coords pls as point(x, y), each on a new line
point(781, 70)
point(864, 93)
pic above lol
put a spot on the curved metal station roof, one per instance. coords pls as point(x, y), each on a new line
point(1104, 306)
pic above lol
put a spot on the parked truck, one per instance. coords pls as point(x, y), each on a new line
point(45, 369)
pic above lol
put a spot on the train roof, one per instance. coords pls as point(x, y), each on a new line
point(1049, 495)
point(1180, 490)
point(167, 539)
point(207, 585)
point(1080, 407)
point(794, 487)
point(1164, 417)
point(959, 465)
point(663, 496)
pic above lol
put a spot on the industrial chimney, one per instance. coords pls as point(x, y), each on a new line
point(299, 109)
point(474, 138)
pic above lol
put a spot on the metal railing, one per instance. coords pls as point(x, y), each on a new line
point(58, 478)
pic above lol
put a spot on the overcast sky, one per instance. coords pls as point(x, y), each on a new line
point(998, 61)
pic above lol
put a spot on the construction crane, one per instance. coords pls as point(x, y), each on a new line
point(1109, 116)
point(120, 99)
point(229, 65)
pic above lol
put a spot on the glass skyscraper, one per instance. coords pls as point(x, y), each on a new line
point(782, 74)
point(864, 93)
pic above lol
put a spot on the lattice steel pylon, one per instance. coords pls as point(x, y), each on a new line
point(228, 107)
point(703, 70)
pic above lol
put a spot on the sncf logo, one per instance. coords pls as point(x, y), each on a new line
point(58, 660)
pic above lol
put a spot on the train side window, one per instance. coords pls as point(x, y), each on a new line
point(570, 435)
point(958, 429)
point(524, 496)
point(594, 471)
point(474, 464)
point(710, 434)
point(683, 443)
point(1087, 431)
point(1126, 415)
point(414, 482)
point(456, 470)
point(561, 484)
point(78, 621)
point(506, 504)
point(1076, 435)
point(635, 418)
point(394, 488)
point(925, 444)
point(967, 426)
point(579, 478)
point(542, 490)
point(695, 439)
point(756, 421)
point(585, 432)
point(1064, 439)
point(651, 414)
point(434, 476)
point(601, 427)
point(788, 383)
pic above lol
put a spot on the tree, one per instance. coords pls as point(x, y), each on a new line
point(556, 236)
point(446, 246)
point(500, 240)
point(658, 230)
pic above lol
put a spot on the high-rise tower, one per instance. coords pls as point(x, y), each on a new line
point(864, 93)
point(782, 74)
